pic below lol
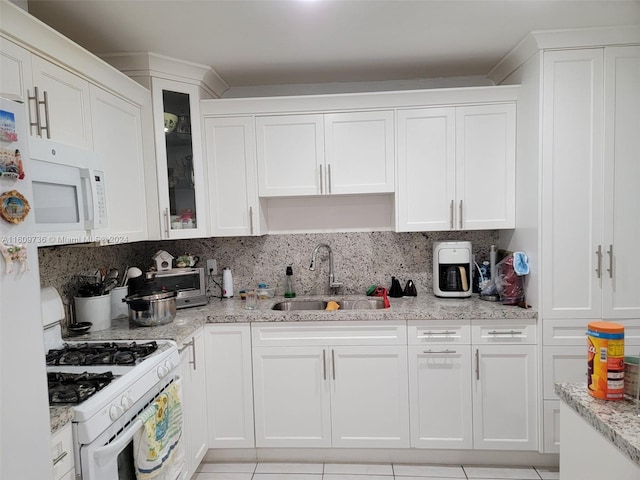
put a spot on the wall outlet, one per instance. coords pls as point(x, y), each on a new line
point(212, 266)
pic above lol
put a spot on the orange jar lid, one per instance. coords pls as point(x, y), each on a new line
point(606, 327)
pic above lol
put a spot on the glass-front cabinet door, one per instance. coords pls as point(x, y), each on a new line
point(181, 187)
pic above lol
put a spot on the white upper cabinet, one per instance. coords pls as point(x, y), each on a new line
point(456, 168)
point(426, 169)
point(590, 198)
point(359, 152)
point(320, 154)
point(66, 107)
point(58, 100)
point(15, 71)
point(290, 155)
point(119, 145)
point(234, 207)
point(181, 172)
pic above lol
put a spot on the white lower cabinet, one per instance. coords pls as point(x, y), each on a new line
point(505, 385)
point(62, 453)
point(319, 385)
point(194, 404)
point(229, 386)
point(440, 385)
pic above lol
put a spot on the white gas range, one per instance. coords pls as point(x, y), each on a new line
point(109, 384)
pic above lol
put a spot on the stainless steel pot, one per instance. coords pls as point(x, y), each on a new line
point(150, 310)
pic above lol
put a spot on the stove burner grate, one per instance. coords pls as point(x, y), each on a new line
point(75, 387)
point(100, 353)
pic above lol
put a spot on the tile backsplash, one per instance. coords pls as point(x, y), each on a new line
point(360, 259)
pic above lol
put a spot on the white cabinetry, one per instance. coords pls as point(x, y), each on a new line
point(319, 385)
point(229, 385)
point(230, 152)
point(62, 453)
point(119, 145)
point(58, 100)
point(440, 384)
point(15, 71)
point(181, 173)
point(338, 153)
point(456, 168)
point(193, 369)
point(505, 385)
point(590, 198)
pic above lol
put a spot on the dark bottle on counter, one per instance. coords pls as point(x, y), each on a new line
point(289, 288)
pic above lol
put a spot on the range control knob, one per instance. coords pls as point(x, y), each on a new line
point(162, 371)
point(126, 402)
point(115, 411)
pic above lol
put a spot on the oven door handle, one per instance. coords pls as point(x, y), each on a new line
point(117, 445)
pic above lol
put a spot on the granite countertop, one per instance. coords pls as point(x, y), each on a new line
point(618, 421)
point(231, 310)
point(188, 320)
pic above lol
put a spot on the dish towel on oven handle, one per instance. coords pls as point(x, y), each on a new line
point(157, 446)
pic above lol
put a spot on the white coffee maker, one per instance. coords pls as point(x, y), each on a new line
point(452, 269)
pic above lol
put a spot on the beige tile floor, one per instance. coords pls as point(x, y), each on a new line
point(356, 471)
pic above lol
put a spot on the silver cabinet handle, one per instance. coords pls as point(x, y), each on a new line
point(333, 363)
point(477, 364)
point(505, 332)
point(324, 364)
point(439, 351)
point(610, 253)
point(461, 214)
point(59, 458)
point(321, 182)
point(251, 220)
point(599, 267)
point(451, 214)
point(37, 111)
point(429, 333)
point(329, 177)
point(46, 114)
point(191, 344)
point(166, 221)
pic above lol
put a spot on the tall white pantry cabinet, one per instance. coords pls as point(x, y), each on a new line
point(584, 91)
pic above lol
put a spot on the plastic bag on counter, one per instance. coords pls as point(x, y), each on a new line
point(509, 283)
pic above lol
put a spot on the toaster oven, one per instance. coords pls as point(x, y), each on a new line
point(189, 282)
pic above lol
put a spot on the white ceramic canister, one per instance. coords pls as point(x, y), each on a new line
point(118, 307)
point(96, 310)
point(227, 283)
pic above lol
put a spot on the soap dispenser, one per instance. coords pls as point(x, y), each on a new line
point(289, 289)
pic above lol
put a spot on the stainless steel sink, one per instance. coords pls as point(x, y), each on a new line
point(288, 305)
point(361, 304)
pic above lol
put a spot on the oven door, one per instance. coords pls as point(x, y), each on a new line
point(111, 456)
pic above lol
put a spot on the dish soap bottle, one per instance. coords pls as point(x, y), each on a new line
point(289, 289)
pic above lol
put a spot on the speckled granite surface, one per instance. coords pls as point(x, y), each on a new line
point(360, 259)
point(617, 421)
point(59, 416)
point(422, 307)
point(188, 320)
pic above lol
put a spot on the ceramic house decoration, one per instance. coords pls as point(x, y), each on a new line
point(163, 260)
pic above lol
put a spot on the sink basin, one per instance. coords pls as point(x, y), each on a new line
point(361, 304)
point(288, 305)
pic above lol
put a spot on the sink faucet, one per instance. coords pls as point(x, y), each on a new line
point(333, 283)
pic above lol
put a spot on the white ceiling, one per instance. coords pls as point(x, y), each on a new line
point(269, 42)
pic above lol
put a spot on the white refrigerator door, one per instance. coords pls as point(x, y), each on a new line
point(25, 443)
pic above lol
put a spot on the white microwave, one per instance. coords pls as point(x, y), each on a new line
point(69, 199)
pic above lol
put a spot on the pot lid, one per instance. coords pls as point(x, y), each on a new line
point(150, 296)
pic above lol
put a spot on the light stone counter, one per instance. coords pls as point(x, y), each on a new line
point(616, 420)
point(425, 307)
point(188, 320)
